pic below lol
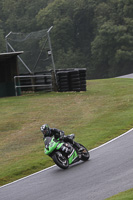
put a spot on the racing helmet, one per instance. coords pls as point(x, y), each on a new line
point(45, 130)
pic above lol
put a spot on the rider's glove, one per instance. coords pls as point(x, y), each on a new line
point(72, 136)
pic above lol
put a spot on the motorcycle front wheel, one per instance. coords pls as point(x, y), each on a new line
point(60, 160)
point(85, 155)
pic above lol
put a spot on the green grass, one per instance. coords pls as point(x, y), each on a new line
point(101, 113)
point(127, 195)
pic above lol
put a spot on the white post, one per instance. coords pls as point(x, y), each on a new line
point(52, 55)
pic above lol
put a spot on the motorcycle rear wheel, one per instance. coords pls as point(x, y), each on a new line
point(60, 160)
point(85, 155)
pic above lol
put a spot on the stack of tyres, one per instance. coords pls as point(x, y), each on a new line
point(46, 81)
point(82, 75)
point(74, 81)
point(63, 81)
point(25, 81)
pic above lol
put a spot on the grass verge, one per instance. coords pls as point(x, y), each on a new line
point(101, 113)
point(127, 195)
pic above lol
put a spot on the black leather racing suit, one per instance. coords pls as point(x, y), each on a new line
point(60, 134)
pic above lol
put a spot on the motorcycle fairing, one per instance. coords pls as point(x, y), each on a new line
point(51, 144)
point(72, 156)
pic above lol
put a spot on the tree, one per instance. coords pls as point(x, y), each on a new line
point(2, 42)
point(112, 47)
point(73, 27)
point(20, 15)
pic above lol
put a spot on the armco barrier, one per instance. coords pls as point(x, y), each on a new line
point(31, 84)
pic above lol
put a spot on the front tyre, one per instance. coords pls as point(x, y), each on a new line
point(60, 160)
point(85, 155)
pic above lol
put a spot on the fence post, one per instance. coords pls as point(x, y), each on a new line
point(54, 82)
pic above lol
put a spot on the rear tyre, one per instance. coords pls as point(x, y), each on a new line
point(60, 160)
point(85, 155)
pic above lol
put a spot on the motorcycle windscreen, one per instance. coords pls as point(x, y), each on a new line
point(47, 141)
point(50, 145)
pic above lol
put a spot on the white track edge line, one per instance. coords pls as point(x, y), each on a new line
point(55, 165)
point(111, 140)
point(27, 176)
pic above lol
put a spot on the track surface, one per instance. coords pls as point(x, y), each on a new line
point(126, 76)
point(108, 172)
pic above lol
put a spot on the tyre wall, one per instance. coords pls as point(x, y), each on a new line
point(71, 80)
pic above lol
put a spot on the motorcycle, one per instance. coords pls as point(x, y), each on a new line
point(64, 153)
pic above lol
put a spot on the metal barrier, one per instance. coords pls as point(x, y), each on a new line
point(32, 85)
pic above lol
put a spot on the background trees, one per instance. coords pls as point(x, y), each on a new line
point(112, 50)
point(72, 33)
point(97, 35)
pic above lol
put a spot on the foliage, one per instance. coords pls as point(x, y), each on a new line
point(2, 42)
point(112, 50)
point(98, 33)
point(71, 59)
point(20, 15)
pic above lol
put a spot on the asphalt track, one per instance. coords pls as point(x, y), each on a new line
point(108, 172)
point(126, 76)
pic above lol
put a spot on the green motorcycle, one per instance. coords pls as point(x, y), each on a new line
point(63, 153)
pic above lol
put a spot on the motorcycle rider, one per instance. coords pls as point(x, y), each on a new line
point(59, 134)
